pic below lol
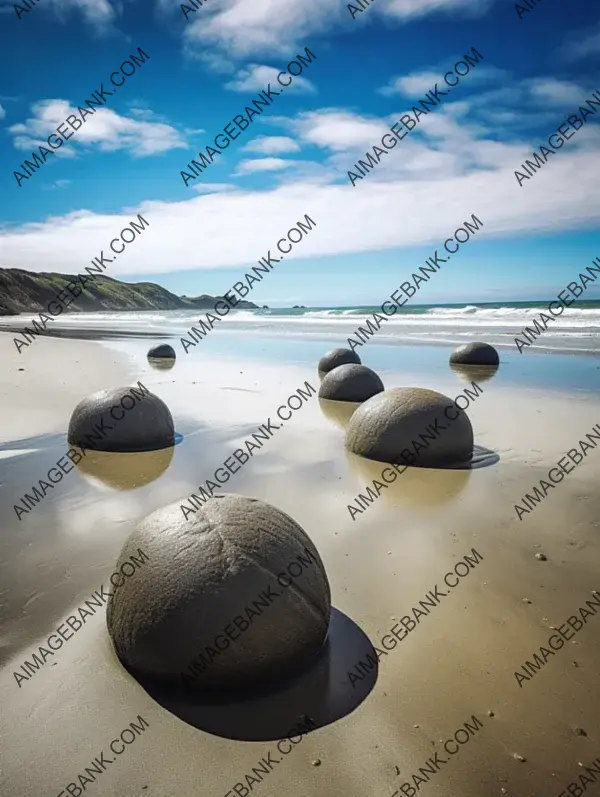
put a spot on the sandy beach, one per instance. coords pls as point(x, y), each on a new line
point(374, 730)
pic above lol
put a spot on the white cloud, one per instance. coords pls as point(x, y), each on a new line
point(251, 166)
point(106, 130)
point(2, 112)
point(272, 145)
point(558, 92)
point(412, 85)
point(418, 83)
point(98, 12)
point(235, 227)
point(243, 28)
point(256, 77)
point(336, 129)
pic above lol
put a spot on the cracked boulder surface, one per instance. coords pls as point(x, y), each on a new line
point(210, 607)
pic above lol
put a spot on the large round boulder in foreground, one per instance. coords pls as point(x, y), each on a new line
point(162, 351)
point(235, 594)
point(390, 424)
point(475, 354)
point(350, 383)
point(337, 357)
point(123, 419)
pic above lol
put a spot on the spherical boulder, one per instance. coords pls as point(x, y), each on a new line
point(235, 594)
point(162, 351)
point(337, 357)
point(350, 383)
point(475, 354)
point(387, 427)
point(123, 419)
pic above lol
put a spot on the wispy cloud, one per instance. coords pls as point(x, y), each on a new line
point(2, 112)
point(106, 130)
point(272, 145)
point(257, 76)
point(417, 83)
point(582, 44)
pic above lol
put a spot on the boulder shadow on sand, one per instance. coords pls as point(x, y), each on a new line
point(317, 696)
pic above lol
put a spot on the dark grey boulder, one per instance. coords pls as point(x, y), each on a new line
point(210, 608)
point(350, 383)
point(162, 351)
point(123, 419)
point(337, 357)
point(390, 424)
point(475, 354)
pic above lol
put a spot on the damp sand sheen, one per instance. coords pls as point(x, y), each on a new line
point(451, 594)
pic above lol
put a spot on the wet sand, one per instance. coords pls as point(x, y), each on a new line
point(459, 661)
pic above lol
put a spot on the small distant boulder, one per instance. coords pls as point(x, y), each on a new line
point(475, 354)
point(350, 382)
point(337, 357)
point(164, 350)
point(387, 427)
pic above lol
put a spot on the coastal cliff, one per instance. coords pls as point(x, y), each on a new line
point(29, 292)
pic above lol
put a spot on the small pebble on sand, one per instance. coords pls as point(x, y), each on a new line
point(316, 762)
point(541, 556)
point(490, 713)
point(580, 732)
point(518, 757)
point(526, 600)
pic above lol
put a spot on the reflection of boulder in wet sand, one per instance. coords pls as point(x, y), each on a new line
point(413, 487)
point(394, 421)
point(339, 412)
point(161, 364)
point(234, 594)
point(125, 471)
point(475, 354)
point(350, 382)
point(477, 373)
point(337, 357)
point(162, 351)
point(124, 419)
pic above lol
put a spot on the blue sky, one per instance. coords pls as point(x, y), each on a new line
point(293, 160)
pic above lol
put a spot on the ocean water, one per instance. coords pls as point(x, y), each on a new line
point(577, 330)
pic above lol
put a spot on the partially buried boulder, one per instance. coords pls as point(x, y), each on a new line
point(475, 354)
point(234, 595)
point(123, 419)
point(350, 383)
point(410, 426)
point(162, 351)
point(337, 357)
